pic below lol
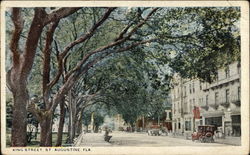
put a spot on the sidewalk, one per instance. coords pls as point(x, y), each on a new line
point(228, 140)
point(91, 139)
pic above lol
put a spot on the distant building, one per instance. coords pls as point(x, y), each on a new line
point(218, 103)
point(168, 120)
point(119, 123)
point(115, 122)
point(165, 120)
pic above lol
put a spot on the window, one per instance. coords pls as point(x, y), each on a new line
point(200, 101)
point(193, 88)
point(227, 72)
point(201, 122)
point(185, 107)
point(238, 68)
point(190, 105)
point(178, 107)
point(227, 96)
point(190, 89)
point(187, 125)
point(206, 100)
point(200, 85)
point(194, 101)
point(185, 93)
point(173, 108)
point(216, 98)
point(239, 93)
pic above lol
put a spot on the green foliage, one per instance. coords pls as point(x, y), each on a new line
point(213, 42)
point(86, 117)
point(192, 41)
point(98, 119)
point(129, 85)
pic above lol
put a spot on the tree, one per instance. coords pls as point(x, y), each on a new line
point(86, 119)
point(98, 112)
point(158, 31)
point(213, 43)
point(22, 61)
point(129, 87)
point(81, 68)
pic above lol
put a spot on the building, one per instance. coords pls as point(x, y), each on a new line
point(218, 103)
point(119, 123)
point(165, 120)
point(168, 120)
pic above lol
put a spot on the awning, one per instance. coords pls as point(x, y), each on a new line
point(213, 114)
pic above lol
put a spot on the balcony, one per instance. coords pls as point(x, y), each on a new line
point(214, 106)
point(222, 82)
point(225, 104)
point(235, 99)
point(205, 107)
point(186, 112)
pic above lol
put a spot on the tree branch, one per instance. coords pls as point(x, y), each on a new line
point(74, 74)
point(124, 31)
point(35, 111)
point(18, 23)
point(77, 41)
point(32, 41)
point(88, 34)
point(59, 14)
point(47, 55)
point(115, 43)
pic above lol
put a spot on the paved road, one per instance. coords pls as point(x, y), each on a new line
point(138, 139)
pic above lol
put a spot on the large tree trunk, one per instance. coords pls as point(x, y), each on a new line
point(79, 123)
point(19, 121)
point(61, 123)
point(72, 116)
point(22, 61)
point(46, 131)
point(79, 127)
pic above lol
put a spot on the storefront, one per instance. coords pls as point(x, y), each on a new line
point(216, 121)
point(236, 125)
point(188, 126)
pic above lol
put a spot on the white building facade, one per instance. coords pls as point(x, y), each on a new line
point(218, 102)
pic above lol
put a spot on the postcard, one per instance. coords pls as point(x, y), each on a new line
point(124, 77)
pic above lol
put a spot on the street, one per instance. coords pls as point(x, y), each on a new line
point(137, 139)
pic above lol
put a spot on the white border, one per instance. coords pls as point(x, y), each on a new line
point(243, 149)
